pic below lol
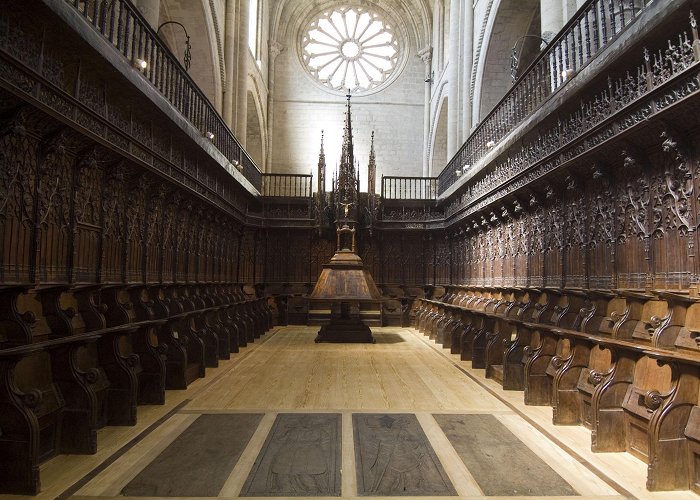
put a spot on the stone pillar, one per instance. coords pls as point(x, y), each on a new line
point(467, 63)
point(453, 78)
point(426, 54)
point(150, 9)
point(552, 18)
point(230, 63)
point(242, 74)
point(275, 49)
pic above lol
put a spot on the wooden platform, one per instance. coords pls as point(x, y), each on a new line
point(402, 373)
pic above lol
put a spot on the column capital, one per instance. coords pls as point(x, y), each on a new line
point(426, 55)
point(276, 48)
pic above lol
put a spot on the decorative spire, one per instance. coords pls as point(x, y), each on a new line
point(321, 169)
point(348, 154)
point(347, 184)
point(371, 169)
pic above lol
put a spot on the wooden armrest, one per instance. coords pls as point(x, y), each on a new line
point(22, 351)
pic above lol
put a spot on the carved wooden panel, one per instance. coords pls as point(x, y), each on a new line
point(601, 247)
point(18, 170)
point(321, 252)
point(135, 229)
point(442, 259)
point(246, 270)
point(89, 180)
point(54, 211)
point(114, 224)
point(155, 232)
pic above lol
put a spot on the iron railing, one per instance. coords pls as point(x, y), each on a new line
point(289, 185)
point(409, 188)
point(124, 27)
point(591, 29)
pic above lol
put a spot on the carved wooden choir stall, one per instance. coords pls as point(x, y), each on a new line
point(556, 251)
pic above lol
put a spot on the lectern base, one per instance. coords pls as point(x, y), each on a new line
point(346, 331)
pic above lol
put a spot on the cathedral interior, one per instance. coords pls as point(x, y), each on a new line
point(359, 248)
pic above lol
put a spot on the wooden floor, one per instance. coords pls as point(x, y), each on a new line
point(404, 372)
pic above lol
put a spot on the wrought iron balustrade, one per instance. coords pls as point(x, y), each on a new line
point(409, 188)
point(287, 185)
point(590, 30)
point(124, 27)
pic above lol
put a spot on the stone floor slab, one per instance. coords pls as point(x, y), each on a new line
point(395, 458)
point(199, 461)
point(500, 463)
point(301, 457)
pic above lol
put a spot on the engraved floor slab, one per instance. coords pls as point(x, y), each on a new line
point(501, 464)
point(301, 457)
point(200, 460)
point(395, 458)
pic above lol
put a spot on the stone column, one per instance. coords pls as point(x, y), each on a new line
point(150, 9)
point(552, 18)
point(426, 54)
point(229, 63)
point(242, 74)
point(275, 50)
point(467, 63)
point(453, 77)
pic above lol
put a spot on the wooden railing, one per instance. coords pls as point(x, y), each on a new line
point(120, 22)
point(288, 185)
point(591, 29)
point(409, 188)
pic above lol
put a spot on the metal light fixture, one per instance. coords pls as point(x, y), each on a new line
point(140, 64)
point(209, 135)
point(567, 73)
point(187, 58)
point(515, 54)
point(490, 144)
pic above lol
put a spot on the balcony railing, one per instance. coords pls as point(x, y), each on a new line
point(593, 27)
point(124, 27)
point(409, 188)
point(287, 185)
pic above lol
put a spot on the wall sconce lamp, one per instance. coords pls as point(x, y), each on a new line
point(187, 57)
point(490, 144)
point(140, 64)
point(238, 166)
point(209, 135)
point(516, 52)
point(458, 172)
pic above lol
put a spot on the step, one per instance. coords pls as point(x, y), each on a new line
point(497, 373)
point(191, 373)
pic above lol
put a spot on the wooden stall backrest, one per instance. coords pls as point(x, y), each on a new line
point(689, 334)
point(615, 311)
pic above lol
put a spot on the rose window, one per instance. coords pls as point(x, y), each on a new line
point(350, 48)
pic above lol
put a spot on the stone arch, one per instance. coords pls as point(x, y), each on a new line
point(508, 21)
point(438, 143)
point(203, 24)
point(255, 131)
point(287, 15)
